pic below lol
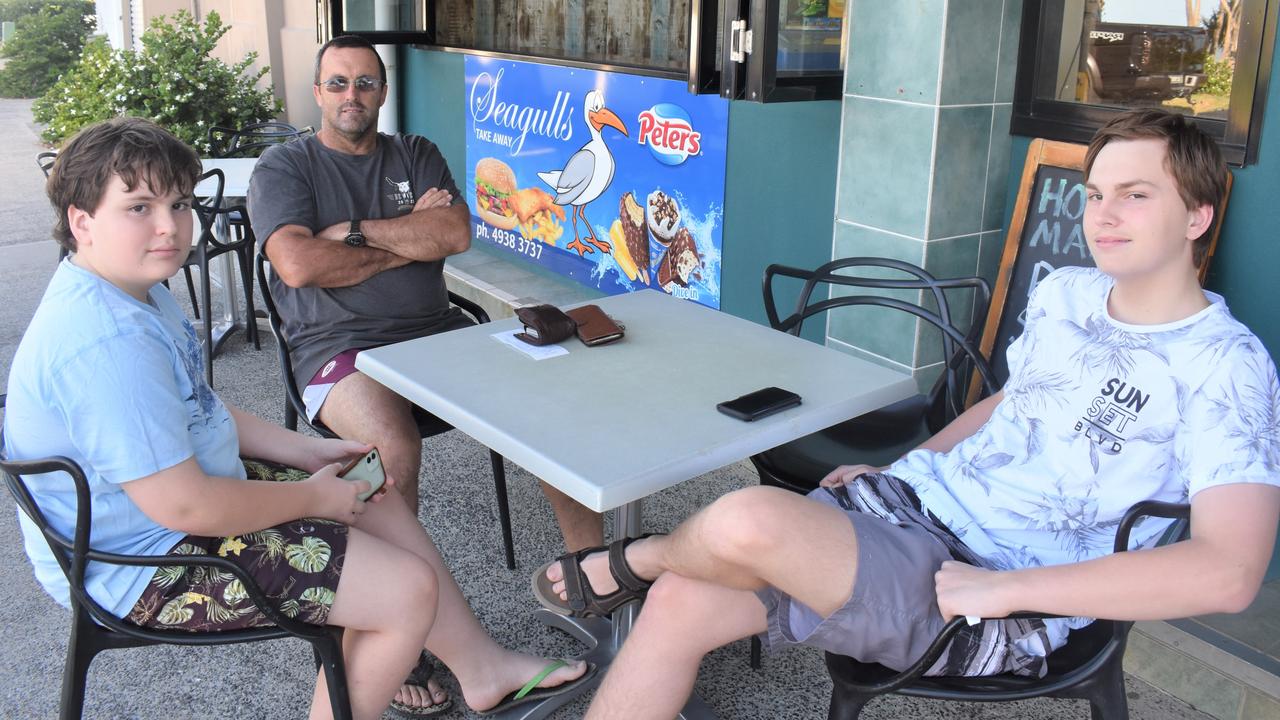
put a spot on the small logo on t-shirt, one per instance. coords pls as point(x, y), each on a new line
point(1111, 413)
point(400, 193)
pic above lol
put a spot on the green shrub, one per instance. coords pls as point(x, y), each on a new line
point(17, 9)
point(1218, 76)
point(45, 44)
point(172, 80)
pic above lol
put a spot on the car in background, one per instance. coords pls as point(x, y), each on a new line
point(1129, 62)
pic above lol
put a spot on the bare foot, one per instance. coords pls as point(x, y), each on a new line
point(511, 674)
point(639, 556)
point(416, 696)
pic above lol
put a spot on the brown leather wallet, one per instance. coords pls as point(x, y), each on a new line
point(595, 327)
point(544, 324)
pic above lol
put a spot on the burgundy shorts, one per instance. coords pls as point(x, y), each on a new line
point(338, 367)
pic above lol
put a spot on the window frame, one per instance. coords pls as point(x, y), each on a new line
point(756, 79)
point(330, 24)
point(1237, 136)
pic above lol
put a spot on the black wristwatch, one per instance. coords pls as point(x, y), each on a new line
point(355, 238)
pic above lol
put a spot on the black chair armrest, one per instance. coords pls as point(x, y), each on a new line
point(1145, 508)
point(218, 138)
point(236, 216)
point(1181, 512)
point(475, 311)
point(74, 555)
point(251, 588)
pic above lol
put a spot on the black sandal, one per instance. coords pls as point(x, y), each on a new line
point(420, 675)
point(583, 600)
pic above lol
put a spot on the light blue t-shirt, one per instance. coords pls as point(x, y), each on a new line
point(116, 385)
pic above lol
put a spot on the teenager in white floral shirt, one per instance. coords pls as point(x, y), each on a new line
point(1129, 382)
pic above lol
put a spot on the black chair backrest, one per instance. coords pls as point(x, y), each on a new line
point(294, 407)
point(207, 208)
point(251, 140)
point(45, 161)
point(960, 352)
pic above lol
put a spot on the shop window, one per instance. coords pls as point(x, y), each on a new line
point(779, 49)
point(1083, 61)
point(783, 50)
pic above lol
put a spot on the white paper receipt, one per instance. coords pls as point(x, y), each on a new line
point(537, 352)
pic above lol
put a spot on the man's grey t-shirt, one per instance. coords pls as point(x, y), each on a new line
point(305, 183)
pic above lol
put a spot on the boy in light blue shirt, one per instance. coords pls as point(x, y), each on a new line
point(109, 374)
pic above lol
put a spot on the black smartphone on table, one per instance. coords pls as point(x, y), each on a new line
point(758, 404)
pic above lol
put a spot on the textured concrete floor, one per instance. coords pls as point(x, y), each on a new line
point(273, 680)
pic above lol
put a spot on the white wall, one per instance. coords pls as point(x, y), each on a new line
point(112, 21)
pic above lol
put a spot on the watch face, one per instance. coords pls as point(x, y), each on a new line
point(355, 239)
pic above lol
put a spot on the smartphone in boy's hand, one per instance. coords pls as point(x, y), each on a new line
point(367, 467)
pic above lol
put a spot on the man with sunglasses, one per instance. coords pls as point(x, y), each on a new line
point(356, 225)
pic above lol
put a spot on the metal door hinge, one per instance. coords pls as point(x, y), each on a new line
point(739, 41)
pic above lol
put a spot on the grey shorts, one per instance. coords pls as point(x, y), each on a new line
point(892, 615)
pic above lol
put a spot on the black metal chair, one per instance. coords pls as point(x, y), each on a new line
point(1089, 666)
point(45, 161)
point(251, 140)
point(248, 141)
point(428, 424)
point(884, 435)
point(94, 629)
point(204, 249)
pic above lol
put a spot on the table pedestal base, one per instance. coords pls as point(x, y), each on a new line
point(599, 637)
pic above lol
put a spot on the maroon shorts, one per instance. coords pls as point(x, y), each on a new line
point(338, 367)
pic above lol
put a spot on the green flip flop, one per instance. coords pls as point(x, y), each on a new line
point(532, 693)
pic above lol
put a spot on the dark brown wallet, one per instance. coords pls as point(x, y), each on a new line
point(595, 327)
point(544, 324)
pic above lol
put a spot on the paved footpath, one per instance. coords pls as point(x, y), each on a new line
point(25, 215)
point(28, 253)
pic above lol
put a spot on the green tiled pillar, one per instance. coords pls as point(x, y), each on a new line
point(924, 152)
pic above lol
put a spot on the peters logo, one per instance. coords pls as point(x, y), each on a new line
point(666, 129)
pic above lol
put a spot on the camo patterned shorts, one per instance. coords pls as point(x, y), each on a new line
point(297, 564)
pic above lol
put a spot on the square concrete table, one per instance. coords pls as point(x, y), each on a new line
point(609, 425)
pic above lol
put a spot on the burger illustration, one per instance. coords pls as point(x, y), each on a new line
point(495, 182)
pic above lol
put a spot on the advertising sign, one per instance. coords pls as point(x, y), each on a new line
point(614, 180)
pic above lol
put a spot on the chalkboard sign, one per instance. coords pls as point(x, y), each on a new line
point(1045, 233)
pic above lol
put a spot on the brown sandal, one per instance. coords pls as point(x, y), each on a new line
point(583, 601)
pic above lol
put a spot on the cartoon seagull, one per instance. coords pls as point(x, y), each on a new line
point(588, 172)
